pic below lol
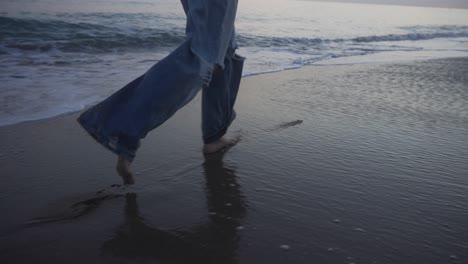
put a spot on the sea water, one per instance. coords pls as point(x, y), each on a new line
point(59, 56)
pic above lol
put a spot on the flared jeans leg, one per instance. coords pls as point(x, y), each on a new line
point(219, 97)
point(120, 121)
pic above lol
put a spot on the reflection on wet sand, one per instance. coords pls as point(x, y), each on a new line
point(215, 241)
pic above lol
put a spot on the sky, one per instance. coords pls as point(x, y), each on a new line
point(432, 3)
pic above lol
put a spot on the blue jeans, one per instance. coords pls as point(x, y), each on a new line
point(120, 121)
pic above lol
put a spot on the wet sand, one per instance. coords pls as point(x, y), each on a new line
point(337, 164)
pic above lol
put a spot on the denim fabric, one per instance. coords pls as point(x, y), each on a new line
point(120, 121)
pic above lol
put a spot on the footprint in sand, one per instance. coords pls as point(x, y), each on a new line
point(71, 207)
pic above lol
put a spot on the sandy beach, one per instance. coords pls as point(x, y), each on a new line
point(363, 163)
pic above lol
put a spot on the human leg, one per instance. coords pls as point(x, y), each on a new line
point(218, 102)
point(119, 122)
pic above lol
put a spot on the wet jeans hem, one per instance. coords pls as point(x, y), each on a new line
point(221, 132)
point(110, 143)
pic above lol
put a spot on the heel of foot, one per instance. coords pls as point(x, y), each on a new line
point(221, 144)
point(123, 169)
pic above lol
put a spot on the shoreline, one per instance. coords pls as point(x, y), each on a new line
point(374, 58)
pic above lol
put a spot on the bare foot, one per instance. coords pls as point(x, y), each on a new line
point(123, 169)
point(219, 145)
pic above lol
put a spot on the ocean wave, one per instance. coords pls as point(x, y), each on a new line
point(412, 36)
point(23, 34)
point(42, 35)
point(438, 32)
